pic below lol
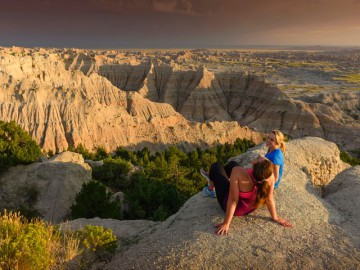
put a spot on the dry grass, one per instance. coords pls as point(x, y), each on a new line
point(35, 244)
point(352, 78)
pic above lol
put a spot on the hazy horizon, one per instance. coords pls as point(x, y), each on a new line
point(118, 24)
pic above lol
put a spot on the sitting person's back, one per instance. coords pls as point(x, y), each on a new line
point(245, 191)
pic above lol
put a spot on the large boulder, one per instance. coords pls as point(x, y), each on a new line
point(318, 239)
point(319, 159)
point(343, 193)
point(48, 187)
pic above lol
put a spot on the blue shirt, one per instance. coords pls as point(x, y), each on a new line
point(277, 158)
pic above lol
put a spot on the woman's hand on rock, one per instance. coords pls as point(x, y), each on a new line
point(283, 222)
point(222, 229)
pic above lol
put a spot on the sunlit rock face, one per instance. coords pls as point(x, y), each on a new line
point(255, 103)
point(53, 99)
point(202, 95)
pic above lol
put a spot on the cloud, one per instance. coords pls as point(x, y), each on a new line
point(165, 6)
point(322, 32)
point(314, 2)
point(182, 7)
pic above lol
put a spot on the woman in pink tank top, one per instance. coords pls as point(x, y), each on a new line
point(245, 191)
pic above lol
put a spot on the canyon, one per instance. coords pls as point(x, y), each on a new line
point(67, 97)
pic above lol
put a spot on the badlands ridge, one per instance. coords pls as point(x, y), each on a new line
point(108, 98)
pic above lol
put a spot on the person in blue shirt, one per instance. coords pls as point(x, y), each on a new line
point(276, 148)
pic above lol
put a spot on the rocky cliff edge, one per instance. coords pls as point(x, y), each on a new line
point(325, 233)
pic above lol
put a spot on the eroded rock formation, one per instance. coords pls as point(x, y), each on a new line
point(202, 95)
point(61, 108)
point(249, 100)
point(67, 97)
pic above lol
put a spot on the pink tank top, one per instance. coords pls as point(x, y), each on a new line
point(246, 203)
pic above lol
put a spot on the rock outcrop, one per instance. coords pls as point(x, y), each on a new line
point(343, 193)
point(318, 240)
point(49, 187)
point(321, 165)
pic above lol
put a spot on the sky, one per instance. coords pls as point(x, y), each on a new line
point(178, 23)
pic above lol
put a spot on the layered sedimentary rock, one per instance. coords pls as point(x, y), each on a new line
point(202, 95)
point(63, 107)
point(125, 77)
point(251, 101)
point(107, 98)
point(80, 61)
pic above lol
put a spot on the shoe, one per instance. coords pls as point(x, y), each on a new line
point(205, 174)
point(209, 193)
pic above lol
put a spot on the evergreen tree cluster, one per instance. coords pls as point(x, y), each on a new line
point(166, 179)
point(94, 201)
point(16, 146)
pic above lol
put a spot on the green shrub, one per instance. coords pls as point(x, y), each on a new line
point(152, 199)
point(124, 153)
point(93, 201)
point(28, 212)
point(97, 239)
point(113, 173)
point(80, 149)
point(349, 159)
point(33, 245)
point(36, 244)
point(16, 146)
point(101, 153)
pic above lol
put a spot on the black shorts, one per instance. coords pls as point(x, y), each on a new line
point(220, 175)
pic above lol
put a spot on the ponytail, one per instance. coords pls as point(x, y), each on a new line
point(262, 193)
point(261, 171)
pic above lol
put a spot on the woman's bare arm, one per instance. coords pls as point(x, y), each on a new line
point(270, 204)
point(233, 199)
point(276, 172)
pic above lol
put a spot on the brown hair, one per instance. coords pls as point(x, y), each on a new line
point(261, 171)
point(280, 139)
